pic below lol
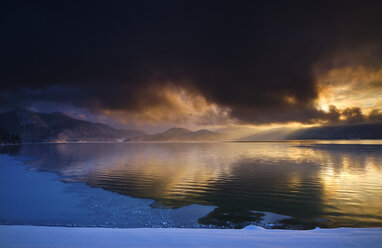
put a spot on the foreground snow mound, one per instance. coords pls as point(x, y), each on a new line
point(51, 237)
point(255, 228)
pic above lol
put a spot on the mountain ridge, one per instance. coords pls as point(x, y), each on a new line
point(347, 132)
point(56, 126)
point(29, 126)
point(183, 134)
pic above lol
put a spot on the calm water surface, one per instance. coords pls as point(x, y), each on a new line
point(339, 183)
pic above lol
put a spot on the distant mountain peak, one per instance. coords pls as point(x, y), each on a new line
point(37, 127)
point(183, 134)
point(178, 130)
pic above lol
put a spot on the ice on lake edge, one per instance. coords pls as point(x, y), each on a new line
point(29, 197)
point(51, 202)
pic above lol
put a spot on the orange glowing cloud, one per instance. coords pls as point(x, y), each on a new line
point(351, 87)
point(169, 103)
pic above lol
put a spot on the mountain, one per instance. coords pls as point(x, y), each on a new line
point(272, 134)
point(36, 127)
point(182, 134)
point(361, 131)
point(30, 126)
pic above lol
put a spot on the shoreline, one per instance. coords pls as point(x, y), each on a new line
point(252, 236)
point(80, 205)
point(330, 141)
point(52, 202)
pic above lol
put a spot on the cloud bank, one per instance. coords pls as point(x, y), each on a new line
point(195, 61)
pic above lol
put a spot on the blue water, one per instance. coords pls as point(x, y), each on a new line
point(334, 183)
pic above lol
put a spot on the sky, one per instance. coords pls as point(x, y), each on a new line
point(197, 64)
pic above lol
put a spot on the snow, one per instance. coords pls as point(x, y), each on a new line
point(270, 219)
point(29, 197)
point(42, 200)
point(51, 237)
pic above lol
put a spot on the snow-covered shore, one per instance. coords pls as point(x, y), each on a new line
point(36, 206)
point(29, 197)
point(40, 198)
point(44, 237)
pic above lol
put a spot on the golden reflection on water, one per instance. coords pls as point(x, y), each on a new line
point(338, 182)
point(353, 186)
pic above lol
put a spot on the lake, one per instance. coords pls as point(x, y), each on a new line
point(325, 183)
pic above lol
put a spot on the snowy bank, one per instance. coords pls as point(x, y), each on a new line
point(40, 198)
point(35, 236)
point(29, 197)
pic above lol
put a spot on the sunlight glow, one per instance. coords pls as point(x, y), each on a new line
point(351, 87)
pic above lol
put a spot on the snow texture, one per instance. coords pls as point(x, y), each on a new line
point(51, 237)
point(30, 197)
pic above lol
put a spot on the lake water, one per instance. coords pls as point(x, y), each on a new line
point(330, 183)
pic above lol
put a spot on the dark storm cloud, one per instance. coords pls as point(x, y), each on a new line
point(257, 59)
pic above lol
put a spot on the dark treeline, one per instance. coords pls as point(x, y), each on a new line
point(8, 138)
